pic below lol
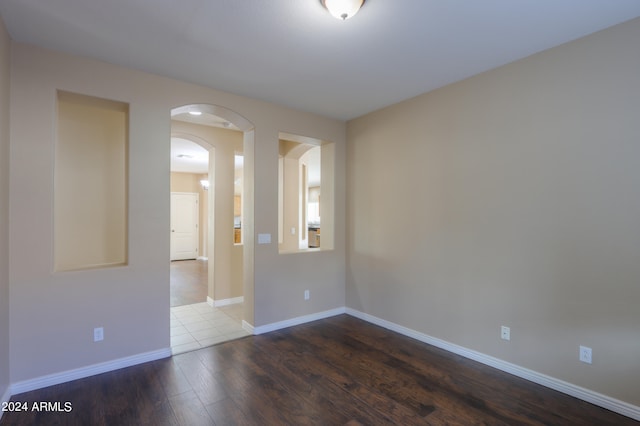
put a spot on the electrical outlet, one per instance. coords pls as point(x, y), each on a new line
point(98, 334)
point(307, 295)
point(585, 354)
point(293, 230)
point(505, 333)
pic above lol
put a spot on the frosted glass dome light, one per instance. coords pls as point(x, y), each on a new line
point(342, 9)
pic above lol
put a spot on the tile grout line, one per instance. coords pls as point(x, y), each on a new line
point(198, 312)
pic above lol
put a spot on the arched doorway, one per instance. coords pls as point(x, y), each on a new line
point(225, 135)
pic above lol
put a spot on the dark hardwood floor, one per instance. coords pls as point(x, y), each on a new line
point(188, 282)
point(336, 371)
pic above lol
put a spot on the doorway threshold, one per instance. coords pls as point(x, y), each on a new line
point(200, 325)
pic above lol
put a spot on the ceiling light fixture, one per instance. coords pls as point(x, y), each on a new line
point(195, 112)
point(342, 9)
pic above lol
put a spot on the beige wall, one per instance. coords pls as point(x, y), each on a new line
point(291, 205)
point(186, 182)
point(59, 311)
point(511, 198)
point(4, 209)
point(90, 195)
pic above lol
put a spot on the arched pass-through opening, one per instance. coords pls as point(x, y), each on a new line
point(224, 133)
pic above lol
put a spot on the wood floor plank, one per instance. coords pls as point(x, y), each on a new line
point(337, 371)
point(188, 282)
point(320, 379)
point(171, 377)
point(314, 384)
point(201, 380)
point(227, 413)
point(399, 386)
point(189, 410)
point(274, 402)
point(458, 375)
point(436, 379)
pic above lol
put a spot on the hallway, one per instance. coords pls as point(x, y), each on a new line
point(188, 282)
point(194, 323)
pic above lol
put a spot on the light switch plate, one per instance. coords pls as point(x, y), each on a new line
point(264, 238)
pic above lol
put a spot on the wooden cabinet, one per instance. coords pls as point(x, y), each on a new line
point(237, 213)
point(237, 206)
point(314, 238)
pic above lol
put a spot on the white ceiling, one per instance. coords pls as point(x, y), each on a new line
point(205, 119)
point(294, 53)
point(188, 157)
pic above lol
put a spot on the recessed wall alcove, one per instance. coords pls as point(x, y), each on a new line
point(90, 183)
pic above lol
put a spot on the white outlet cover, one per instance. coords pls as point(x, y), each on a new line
point(585, 354)
point(98, 334)
point(505, 333)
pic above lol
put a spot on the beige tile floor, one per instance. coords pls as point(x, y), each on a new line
point(200, 325)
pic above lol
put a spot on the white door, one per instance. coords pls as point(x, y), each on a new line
point(184, 225)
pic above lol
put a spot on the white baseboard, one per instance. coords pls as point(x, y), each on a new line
point(6, 396)
point(202, 258)
point(584, 394)
point(225, 302)
point(247, 327)
point(587, 395)
point(297, 321)
point(91, 370)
